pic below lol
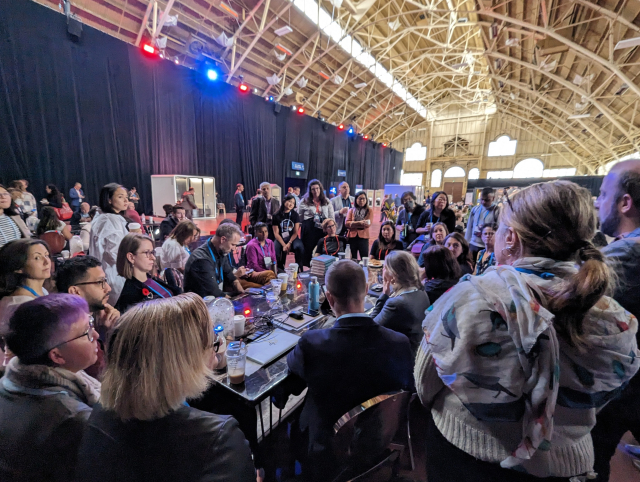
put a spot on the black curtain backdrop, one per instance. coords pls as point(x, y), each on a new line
point(98, 111)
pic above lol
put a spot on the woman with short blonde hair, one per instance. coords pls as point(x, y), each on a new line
point(160, 354)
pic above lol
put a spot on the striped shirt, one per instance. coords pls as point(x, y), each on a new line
point(8, 230)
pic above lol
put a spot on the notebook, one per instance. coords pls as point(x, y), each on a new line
point(271, 346)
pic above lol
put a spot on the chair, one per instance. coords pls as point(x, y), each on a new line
point(55, 240)
point(362, 443)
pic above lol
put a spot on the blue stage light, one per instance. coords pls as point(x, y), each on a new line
point(212, 74)
point(350, 131)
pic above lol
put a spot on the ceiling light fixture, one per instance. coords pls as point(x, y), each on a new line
point(627, 43)
point(579, 116)
point(283, 31)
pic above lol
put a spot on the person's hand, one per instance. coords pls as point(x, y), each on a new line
point(287, 247)
point(386, 287)
point(108, 316)
point(260, 475)
point(44, 201)
point(344, 211)
point(241, 272)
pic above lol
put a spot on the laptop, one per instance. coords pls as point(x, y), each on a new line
point(271, 346)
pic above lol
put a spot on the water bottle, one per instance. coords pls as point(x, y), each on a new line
point(347, 252)
point(314, 295)
point(221, 353)
point(142, 218)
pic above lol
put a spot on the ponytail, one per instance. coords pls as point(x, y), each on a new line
point(574, 298)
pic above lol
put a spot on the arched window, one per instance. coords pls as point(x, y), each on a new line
point(454, 172)
point(474, 173)
point(436, 178)
point(528, 168)
point(417, 152)
point(411, 179)
point(502, 146)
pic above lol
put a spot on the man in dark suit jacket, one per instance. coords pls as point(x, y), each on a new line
point(76, 195)
point(345, 365)
point(238, 199)
point(263, 208)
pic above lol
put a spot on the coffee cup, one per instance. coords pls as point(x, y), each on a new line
point(365, 261)
point(65, 254)
point(294, 267)
point(341, 255)
point(150, 219)
point(238, 325)
point(283, 277)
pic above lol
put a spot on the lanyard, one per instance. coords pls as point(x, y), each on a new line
point(219, 274)
point(262, 248)
point(187, 250)
point(486, 213)
point(380, 253)
point(317, 208)
point(325, 246)
point(158, 293)
point(30, 290)
point(431, 217)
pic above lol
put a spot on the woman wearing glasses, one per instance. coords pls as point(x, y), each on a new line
point(11, 225)
point(45, 395)
point(331, 244)
point(135, 261)
point(144, 428)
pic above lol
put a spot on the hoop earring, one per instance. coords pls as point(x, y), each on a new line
point(509, 254)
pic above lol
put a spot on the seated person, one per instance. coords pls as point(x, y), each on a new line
point(441, 270)
point(131, 214)
point(238, 260)
point(81, 216)
point(437, 236)
point(261, 253)
point(342, 366)
point(459, 246)
point(161, 354)
point(49, 221)
point(486, 256)
point(135, 262)
point(208, 267)
point(386, 242)
point(403, 302)
point(45, 396)
point(175, 249)
point(169, 223)
point(286, 226)
point(331, 244)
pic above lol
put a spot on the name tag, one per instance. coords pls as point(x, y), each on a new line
point(220, 285)
point(267, 261)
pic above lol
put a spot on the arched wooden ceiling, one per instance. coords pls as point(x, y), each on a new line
point(536, 61)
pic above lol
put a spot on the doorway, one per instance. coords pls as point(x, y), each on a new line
point(454, 189)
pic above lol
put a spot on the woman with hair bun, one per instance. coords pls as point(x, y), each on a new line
point(514, 364)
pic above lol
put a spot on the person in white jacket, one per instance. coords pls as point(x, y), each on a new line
point(108, 229)
point(175, 249)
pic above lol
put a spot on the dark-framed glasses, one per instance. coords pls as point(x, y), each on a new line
point(216, 343)
point(506, 196)
point(89, 334)
point(102, 282)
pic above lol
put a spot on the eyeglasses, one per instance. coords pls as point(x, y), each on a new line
point(216, 344)
point(506, 195)
point(148, 254)
point(100, 282)
point(88, 334)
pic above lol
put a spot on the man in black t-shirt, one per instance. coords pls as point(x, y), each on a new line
point(286, 225)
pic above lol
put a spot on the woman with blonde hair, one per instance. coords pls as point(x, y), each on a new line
point(403, 302)
point(160, 354)
point(527, 353)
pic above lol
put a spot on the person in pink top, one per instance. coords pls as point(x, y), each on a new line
point(261, 253)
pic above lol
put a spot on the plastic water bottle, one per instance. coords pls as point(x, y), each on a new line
point(347, 252)
point(142, 218)
point(314, 295)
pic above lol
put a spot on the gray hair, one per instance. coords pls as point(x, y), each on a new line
point(263, 184)
point(227, 230)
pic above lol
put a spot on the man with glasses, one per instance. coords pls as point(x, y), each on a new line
point(485, 213)
point(83, 276)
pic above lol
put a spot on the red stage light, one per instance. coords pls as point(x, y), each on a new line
point(299, 285)
point(341, 127)
point(243, 87)
point(150, 49)
point(384, 144)
point(300, 110)
point(366, 137)
point(247, 312)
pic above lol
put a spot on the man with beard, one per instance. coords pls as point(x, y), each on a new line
point(408, 219)
point(83, 276)
point(619, 212)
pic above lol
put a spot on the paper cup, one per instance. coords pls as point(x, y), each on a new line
point(283, 277)
point(238, 325)
point(365, 261)
point(294, 267)
point(65, 254)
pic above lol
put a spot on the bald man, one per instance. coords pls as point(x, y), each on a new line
point(619, 211)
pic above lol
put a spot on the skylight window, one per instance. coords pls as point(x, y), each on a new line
point(502, 146)
point(320, 17)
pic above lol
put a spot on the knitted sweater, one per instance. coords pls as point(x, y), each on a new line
point(503, 387)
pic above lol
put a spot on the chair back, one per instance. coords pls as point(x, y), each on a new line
point(363, 433)
point(55, 240)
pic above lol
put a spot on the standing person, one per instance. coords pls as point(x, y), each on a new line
point(341, 205)
point(314, 209)
point(76, 196)
point(12, 226)
point(134, 197)
point(439, 212)
point(388, 207)
point(263, 208)
point(296, 194)
point(108, 229)
point(286, 225)
point(528, 353)
point(409, 221)
point(189, 203)
point(175, 249)
point(25, 265)
point(45, 396)
point(331, 244)
point(85, 230)
point(240, 204)
point(29, 204)
point(485, 213)
point(457, 244)
point(169, 223)
point(619, 211)
point(403, 302)
point(358, 222)
point(54, 196)
point(486, 256)
point(386, 242)
point(396, 201)
point(161, 355)
point(352, 348)
point(261, 254)
point(135, 262)
point(257, 195)
point(49, 222)
point(208, 266)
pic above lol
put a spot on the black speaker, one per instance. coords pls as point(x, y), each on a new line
point(276, 108)
point(74, 27)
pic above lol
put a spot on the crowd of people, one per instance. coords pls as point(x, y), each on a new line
point(516, 332)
